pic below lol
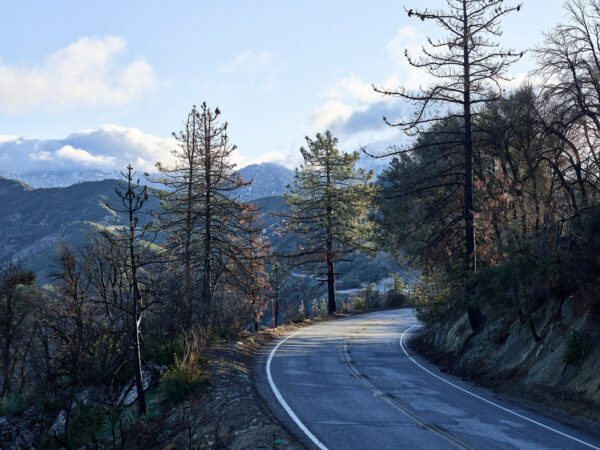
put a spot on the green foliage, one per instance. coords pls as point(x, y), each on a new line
point(71, 211)
point(323, 307)
point(432, 297)
point(12, 405)
point(579, 347)
point(86, 422)
point(163, 351)
point(181, 378)
point(330, 203)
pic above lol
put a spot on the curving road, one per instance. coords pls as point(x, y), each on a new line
point(354, 384)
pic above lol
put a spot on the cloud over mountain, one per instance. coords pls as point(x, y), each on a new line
point(108, 148)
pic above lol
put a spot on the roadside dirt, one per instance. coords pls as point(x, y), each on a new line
point(228, 412)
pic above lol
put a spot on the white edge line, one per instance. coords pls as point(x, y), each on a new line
point(283, 403)
point(486, 400)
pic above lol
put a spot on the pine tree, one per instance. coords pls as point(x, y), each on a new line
point(329, 204)
point(276, 281)
point(181, 216)
point(466, 67)
point(210, 227)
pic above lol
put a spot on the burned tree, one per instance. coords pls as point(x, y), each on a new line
point(207, 223)
point(466, 68)
point(133, 198)
point(181, 215)
point(16, 308)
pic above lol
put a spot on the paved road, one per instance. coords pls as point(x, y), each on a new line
point(354, 384)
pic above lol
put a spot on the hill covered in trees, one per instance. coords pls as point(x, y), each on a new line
point(34, 221)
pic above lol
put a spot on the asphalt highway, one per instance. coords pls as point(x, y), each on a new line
point(354, 384)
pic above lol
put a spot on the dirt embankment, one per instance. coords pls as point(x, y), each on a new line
point(506, 357)
point(228, 412)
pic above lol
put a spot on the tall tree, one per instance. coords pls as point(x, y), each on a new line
point(569, 63)
point(133, 198)
point(181, 204)
point(215, 228)
point(466, 67)
point(329, 204)
point(276, 281)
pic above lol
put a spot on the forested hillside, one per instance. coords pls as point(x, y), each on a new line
point(34, 221)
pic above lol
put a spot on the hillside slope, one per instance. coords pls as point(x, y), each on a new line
point(556, 371)
point(33, 221)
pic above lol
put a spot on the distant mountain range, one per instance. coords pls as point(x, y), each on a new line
point(34, 221)
point(62, 178)
point(269, 179)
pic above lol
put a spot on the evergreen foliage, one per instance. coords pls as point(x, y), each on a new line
point(329, 205)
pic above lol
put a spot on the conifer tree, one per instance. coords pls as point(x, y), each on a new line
point(181, 215)
point(209, 226)
point(329, 204)
point(276, 281)
point(466, 68)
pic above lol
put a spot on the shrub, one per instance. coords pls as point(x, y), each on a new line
point(163, 351)
point(432, 297)
point(578, 347)
point(86, 423)
point(12, 404)
point(183, 376)
point(180, 379)
point(323, 307)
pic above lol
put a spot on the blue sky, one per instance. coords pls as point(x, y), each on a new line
point(279, 70)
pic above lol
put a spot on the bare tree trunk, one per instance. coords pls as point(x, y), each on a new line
point(331, 307)
point(277, 305)
point(476, 318)
point(206, 282)
point(134, 308)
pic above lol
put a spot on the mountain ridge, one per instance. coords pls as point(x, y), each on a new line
point(269, 179)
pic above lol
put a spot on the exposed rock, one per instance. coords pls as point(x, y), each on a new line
point(91, 395)
point(150, 375)
point(16, 432)
point(520, 366)
point(58, 427)
point(566, 312)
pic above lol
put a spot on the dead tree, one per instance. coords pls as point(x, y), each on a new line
point(133, 198)
point(466, 68)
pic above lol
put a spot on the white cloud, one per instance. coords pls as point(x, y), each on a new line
point(249, 62)
point(108, 148)
point(353, 88)
point(332, 111)
point(85, 73)
point(76, 155)
point(351, 97)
